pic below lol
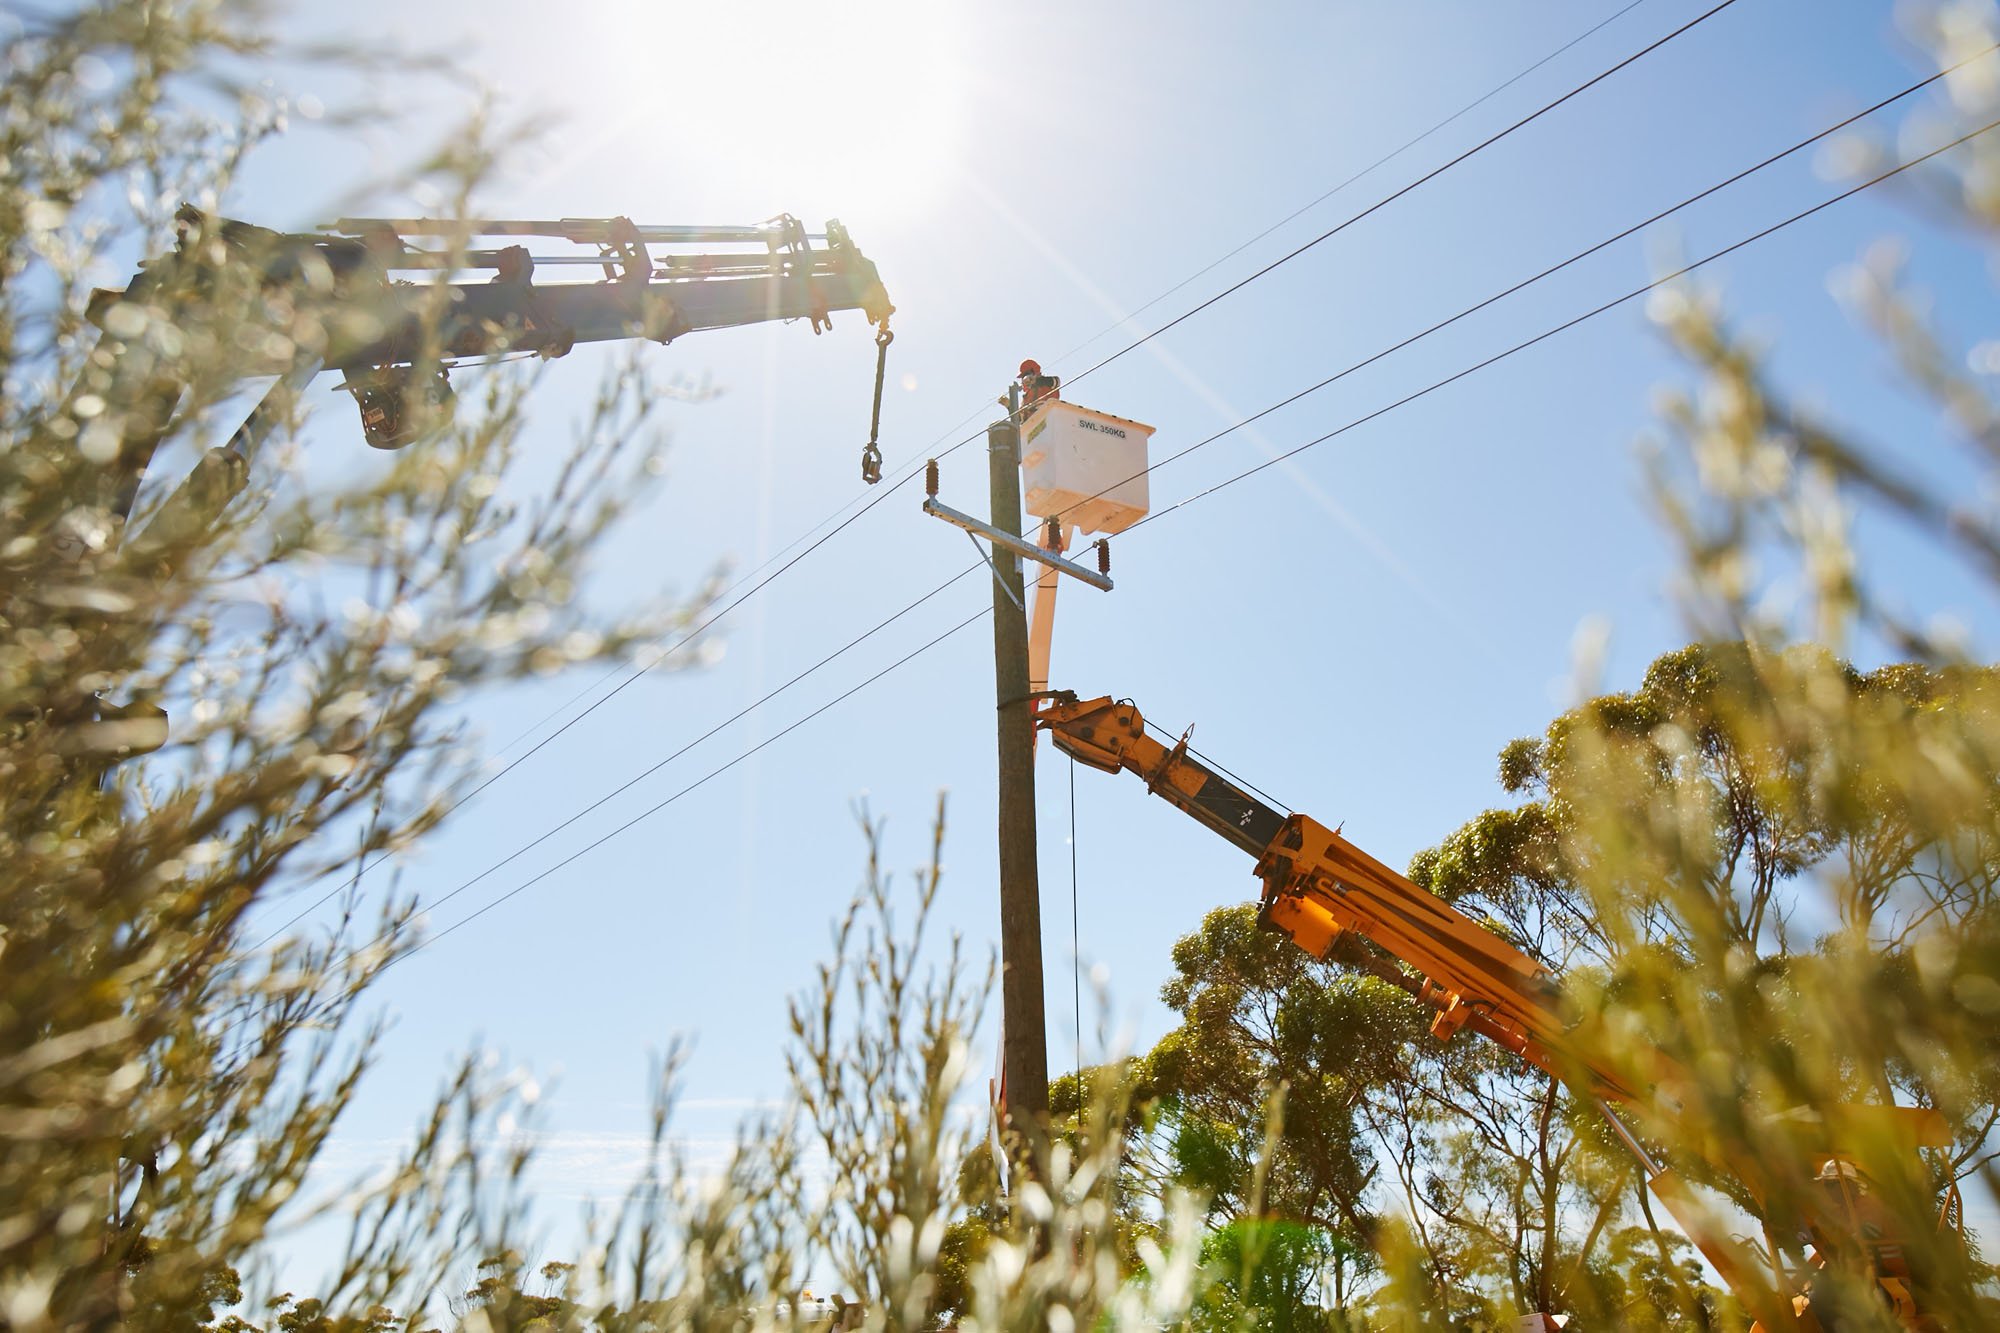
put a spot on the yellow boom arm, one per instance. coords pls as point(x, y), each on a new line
point(1319, 886)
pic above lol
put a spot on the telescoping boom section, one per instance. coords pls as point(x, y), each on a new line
point(395, 305)
point(367, 319)
point(1334, 900)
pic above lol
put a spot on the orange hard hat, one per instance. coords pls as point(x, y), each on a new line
point(1030, 367)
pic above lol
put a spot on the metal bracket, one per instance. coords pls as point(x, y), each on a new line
point(1020, 546)
point(1167, 761)
point(998, 582)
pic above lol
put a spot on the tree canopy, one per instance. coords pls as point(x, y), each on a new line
point(1710, 861)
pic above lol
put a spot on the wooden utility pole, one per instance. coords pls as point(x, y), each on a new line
point(1025, 1057)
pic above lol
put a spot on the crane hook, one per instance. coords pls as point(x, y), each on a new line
point(871, 453)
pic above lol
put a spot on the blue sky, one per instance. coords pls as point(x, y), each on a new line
point(1358, 631)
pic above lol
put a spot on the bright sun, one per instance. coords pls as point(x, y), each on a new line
point(840, 106)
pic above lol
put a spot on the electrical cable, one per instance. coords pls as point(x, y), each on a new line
point(643, 815)
point(1370, 169)
point(910, 471)
point(1568, 324)
point(682, 642)
point(1394, 195)
point(737, 716)
point(745, 711)
point(871, 501)
point(705, 778)
point(1548, 272)
point(915, 465)
point(1075, 944)
point(870, 495)
point(1545, 335)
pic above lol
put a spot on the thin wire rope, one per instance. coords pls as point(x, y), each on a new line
point(1368, 170)
point(735, 717)
point(1394, 195)
point(741, 713)
point(870, 494)
point(1568, 324)
point(1213, 763)
point(1075, 944)
point(1525, 283)
point(705, 778)
point(643, 815)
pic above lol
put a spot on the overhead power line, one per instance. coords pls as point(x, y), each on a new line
point(1525, 344)
point(1548, 272)
point(633, 781)
point(323, 1010)
point(733, 718)
point(699, 782)
point(872, 496)
point(523, 758)
point(1368, 170)
point(914, 465)
point(910, 471)
point(1394, 195)
point(1568, 324)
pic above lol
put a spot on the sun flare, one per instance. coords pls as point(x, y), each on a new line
point(843, 108)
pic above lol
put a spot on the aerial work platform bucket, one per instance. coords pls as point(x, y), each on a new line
point(1081, 471)
point(1084, 468)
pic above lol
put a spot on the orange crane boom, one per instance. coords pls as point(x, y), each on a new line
point(1319, 889)
point(1318, 886)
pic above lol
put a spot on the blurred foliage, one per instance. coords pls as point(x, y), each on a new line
point(1767, 876)
point(172, 1061)
point(1267, 1278)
